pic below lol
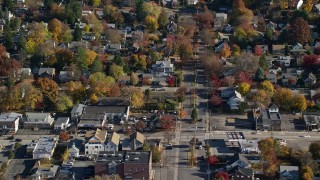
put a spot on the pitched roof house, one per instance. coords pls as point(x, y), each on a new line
point(135, 142)
point(38, 120)
point(10, 121)
point(96, 142)
point(268, 119)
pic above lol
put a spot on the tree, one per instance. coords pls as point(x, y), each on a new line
point(310, 61)
point(215, 100)
point(268, 154)
point(258, 51)
point(17, 146)
point(244, 88)
point(95, 3)
point(137, 97)
point(9, 67)
point(261, 97)
point(11, 154)
point(7, 35)
point(167, 122)
point(147, 93)
point(212, 160)
point(299, 103)
point(90, 56)
point(163, 19)
point(194, 114)
point(181, 93)
point(64, 136)
point(63, 103)
point(100, 83)
point(134, 79)
point(140, 125)
point(49, 88)
point(247, 63)
point(139, 61)
point(77, 33)
point(225, 52)
point(185, 50)
point(283, 98)
point(55, 27)
point(220, 175)
point(259, 75)
point(267, 86)
point(30, 95)
point(205, 18)
point(66, 34)
point(151, 23)
point(38, 33)
point(314, 149)
point(81, 59)
point(112, 14)
point(140, 11)
point(299, 31)
point(263, 63)
point(113, 35)
point(72, 11)
point(182, 113)
point(228, 81)
point(115, 71)
point(96, 66)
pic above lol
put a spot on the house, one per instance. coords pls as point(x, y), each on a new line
point(298, 49)
point(220, 19)
point(45, 172)
point(110, 109)
point(239, 173)
point(268, 119)
point(310, 80)
point(249, 146)
point(219, 147)
point(47, 72)
point(44, 148)
point(278, 49)
point(219, 46)
point(77, 111)
point(289, 77)
point(172, 27)
point(134, 142)
point(10, 121)
point(113, 143)
point(162, 68)
point(66, 76)
point(38, 120)
point(272, 78)
point(284, 60)
point(24, 72)
point(317, 8)
point(114, 47)
point(124, 79)
point(238, 160)
point(127, 164)
point(227, 92)
point(61, 123)
point(235, 101)
point(272, 25)
point(289, 172)
point(96, 143)
point(312, 121)
point(73, 151)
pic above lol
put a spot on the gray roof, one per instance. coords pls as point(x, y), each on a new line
point(50, 71)
point(77, 109)
point(37, 116)
point(61, 120)
point(124, 156)
point(8, 117)
point(289, 172)
point(45, 145)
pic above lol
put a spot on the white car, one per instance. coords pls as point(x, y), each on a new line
point(144, 118)
point(110, 126)
point(306, 136)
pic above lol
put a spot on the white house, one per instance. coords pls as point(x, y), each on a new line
point(77, 110)
point(113, 144)
point(10, 121)
point(73, 151)
point(61, 123)
point(96, 143)
point(235, 101)
point(162, 68)
point(44, 148)
point(38, 120)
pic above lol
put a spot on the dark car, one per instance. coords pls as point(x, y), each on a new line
point(18, 140)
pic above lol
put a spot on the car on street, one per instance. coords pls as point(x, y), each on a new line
point(306, 136)
point(169, 146)
point(144, 118)
point(18, 140)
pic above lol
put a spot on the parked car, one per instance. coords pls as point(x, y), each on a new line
point(110, 126)
point(169, 146)
point(144, 118)
point(18, 140)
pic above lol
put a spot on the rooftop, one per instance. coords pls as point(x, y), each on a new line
point(124, 156)
point(9, 117)
point(35, 116)
point(61, 120)
point(44, 145)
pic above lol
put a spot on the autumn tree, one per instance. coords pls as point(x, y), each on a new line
point(96, 66)
point(182, 113)
point(112, 14)
point(163, 19)
point(258, 51)
point(64, 136)
point(134, 79)
point(9, 67)
point(299, 103)
point(283, 98)
point(100, 83)
point(314, 149)
point(268, 154)
point(299, 31)
point(205, 18)
point(212, 160)
point(48, 87)
point(136, 97)
point(55, 27)
point(167, 122)
point(30, 95)
point(151, 23)
point(247, 63)
point(181, 93)
point(139, 61)
point(221, 175)
point(215, 100)
point(115, 71)
point(185, 50)
point(140, 125)
point(37, 34)
point(310, 61)
point(244, 88)
point(225, 52)
point(152, 9)
point(261, 97)
point(212, 64)
point(267, 86)
point(228, 81)
point(113, 35)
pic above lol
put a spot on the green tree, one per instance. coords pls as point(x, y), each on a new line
point(96, 66)
point(80, 59)
point(163, 19)
point(63, 103)
point(95, 3)
point(72, 11)
point(77, 34)
point(49, 88)
point(299, 103)
point(259, 75)
point(8, 38)
point(115, 71)
point(314, 148)
point(263, 63)
point(113, 15)
point(141, 13)
point(7, 5)
point(194, 114)
point(11, 154)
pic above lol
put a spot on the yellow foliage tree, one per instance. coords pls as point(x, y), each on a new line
point(267, 86)
point(137, 97)
point(299, 103)
point(243, 88)
point(283, 97)
point(151, 23)
point(31, 46)
point(55, 27)
point(90, 56)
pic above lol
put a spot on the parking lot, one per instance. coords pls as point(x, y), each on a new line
point(19, 166)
